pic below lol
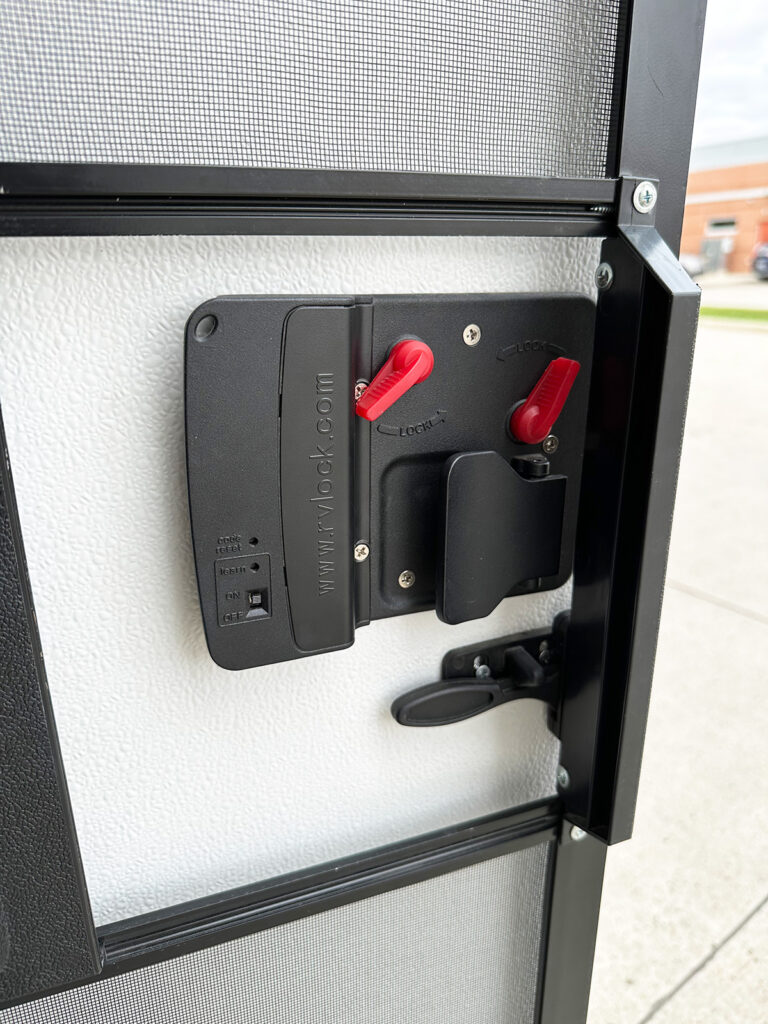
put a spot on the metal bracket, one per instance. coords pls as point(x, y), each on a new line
point(628, 211)
point(482, 676)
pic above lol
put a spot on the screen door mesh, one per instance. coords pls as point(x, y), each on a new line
point(462, 948)
point(513, 87)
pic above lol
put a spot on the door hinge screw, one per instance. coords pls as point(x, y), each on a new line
point(361, 551)
point(406, 578)
point(644, 197)
point(604, 276)
point(563, 778)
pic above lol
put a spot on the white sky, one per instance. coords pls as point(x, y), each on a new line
point(733, 89)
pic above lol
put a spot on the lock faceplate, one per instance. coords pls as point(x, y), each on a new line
point(281, 468)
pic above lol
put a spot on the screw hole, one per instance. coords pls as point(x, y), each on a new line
point(253, 541)
point(205, 327)
point(255, 567)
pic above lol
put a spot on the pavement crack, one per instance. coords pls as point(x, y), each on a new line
point(721, 602)
point(659, 1004)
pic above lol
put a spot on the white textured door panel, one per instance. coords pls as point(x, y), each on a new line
point(187, 779)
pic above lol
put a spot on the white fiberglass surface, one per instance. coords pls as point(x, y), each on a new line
point(187, 779)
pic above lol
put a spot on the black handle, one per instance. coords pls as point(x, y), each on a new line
point(450, 700)
point(453, 700)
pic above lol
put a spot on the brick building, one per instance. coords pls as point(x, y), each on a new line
point(726, 210)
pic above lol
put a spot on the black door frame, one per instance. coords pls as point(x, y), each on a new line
point(647, 315)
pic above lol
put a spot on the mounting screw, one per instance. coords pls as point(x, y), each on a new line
point(577, 834)
point(563, 778)
point(361, 551)
point(406, 578)
point(359, 389)
point(644, 197)
point(550, 444)
point(482, 671)
point(545, 655)
point(604, 277)
point(472, 334)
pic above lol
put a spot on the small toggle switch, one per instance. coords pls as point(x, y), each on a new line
point(410, 362)
point(533, 419)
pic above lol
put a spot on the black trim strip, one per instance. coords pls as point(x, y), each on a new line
point(45, 216)
point(61, 179)
point(118, 199)
point(173, 932)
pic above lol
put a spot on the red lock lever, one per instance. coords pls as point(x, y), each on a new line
point(533, 419)
point(410, 362)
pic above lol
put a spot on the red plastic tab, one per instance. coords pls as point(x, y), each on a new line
point(410, 362)
point(532, 421)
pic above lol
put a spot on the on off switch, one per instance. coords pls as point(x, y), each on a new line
point(410, 362)
point(534, 418)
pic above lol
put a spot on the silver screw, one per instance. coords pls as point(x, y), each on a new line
point(604, 276)
point(406, 578)
point(359, 389)
point(550, 444)
point(644, 197)
point(482, 671)
point(563, 778)
point(361, 551)
point(577, 834)
point(472, 334)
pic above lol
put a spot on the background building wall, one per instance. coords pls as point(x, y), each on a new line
point(722, 194)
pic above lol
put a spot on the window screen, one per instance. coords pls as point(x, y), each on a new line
point(510, 87)
point(462, 948)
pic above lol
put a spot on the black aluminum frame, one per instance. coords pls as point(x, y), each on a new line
point(176, 931)
point(644, 338)
point(655, 92)
point(117, 199)
point(179, 180)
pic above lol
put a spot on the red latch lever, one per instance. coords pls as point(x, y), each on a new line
point(533, 420)
point(409, 363)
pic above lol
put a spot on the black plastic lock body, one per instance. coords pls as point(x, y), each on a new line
point(500, 528)
point(316, 474)
point(280, 468)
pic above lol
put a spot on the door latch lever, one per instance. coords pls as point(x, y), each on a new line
point(524, 666)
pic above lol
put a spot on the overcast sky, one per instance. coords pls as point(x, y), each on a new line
point(733, 90)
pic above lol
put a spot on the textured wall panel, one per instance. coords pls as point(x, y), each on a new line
point(186, 779)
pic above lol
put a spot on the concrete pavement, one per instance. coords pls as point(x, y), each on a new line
point(733, 291)
point(683, 933)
